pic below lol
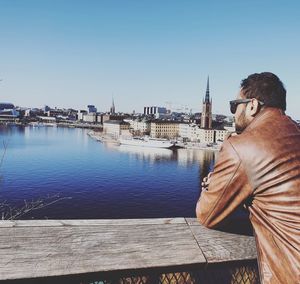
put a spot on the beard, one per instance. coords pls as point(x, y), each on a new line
point(241, 123)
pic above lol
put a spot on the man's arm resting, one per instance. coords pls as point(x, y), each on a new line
point(228, 188)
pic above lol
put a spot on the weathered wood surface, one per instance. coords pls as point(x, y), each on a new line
point(96, 222)
point(44, 248)
point(218, 246)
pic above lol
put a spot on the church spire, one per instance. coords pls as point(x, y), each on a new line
point(206, 115)
point(112, 109)
point(207, 91)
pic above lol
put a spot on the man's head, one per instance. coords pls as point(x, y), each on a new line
point(258, 91)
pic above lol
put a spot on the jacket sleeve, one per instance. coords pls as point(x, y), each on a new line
point(228, 188)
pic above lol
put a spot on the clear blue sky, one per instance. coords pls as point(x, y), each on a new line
point(73, 53)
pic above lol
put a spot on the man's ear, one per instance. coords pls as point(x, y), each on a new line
point(254, 107)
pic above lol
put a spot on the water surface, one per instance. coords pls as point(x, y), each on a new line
point(98, 180)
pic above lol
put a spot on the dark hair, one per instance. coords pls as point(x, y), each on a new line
point(265, 87)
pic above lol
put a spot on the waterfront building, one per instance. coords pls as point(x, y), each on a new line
point(8, 111)
point(116, 128)
point(164, 129)
point(99, 117)
point(155, 111)
point(27, 112)
point(206, 116)
point(72, 114)
point(106, 116)
point(34, 112)
point(46, 119)
point(46, 108)
point(81, 113)
point(185, 131)
point(193, 133)
point(55, 112)
point(205, 135)
point(139, 126)
point(6, 106)
point(92, 109)
point(186, 118)
point(90, 117)
point(220, 135)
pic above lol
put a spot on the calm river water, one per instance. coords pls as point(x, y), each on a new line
point(97, 181)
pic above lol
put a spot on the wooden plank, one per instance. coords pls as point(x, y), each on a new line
point(192, 221)
point(99, 222)
point(41, 251)
point(219, 246)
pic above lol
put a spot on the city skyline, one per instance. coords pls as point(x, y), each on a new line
point(75, 53)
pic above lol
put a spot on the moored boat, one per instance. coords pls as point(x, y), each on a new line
point(147, 142)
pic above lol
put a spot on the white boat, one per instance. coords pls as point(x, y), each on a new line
point(41, 124)
point(147, 142)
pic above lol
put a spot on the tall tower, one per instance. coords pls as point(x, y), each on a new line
point(112, 108)
point(206, 116)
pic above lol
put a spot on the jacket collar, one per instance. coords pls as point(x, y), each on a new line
point(264, 113)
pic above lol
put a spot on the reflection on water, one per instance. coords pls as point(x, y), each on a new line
point(151, 155)
point(184, 157)
point(7, 130)
point(190, 156)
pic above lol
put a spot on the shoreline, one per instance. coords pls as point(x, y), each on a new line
point(100, 137)
point(56, 124)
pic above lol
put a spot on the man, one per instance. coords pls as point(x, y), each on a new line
point(260, 169)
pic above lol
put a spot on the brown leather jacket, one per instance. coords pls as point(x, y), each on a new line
point(261, 168)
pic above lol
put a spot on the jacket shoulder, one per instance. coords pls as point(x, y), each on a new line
point(233, 141)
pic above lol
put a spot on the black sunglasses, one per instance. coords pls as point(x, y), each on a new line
point(235, 103)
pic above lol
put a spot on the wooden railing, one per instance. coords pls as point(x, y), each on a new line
point(123, 251)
